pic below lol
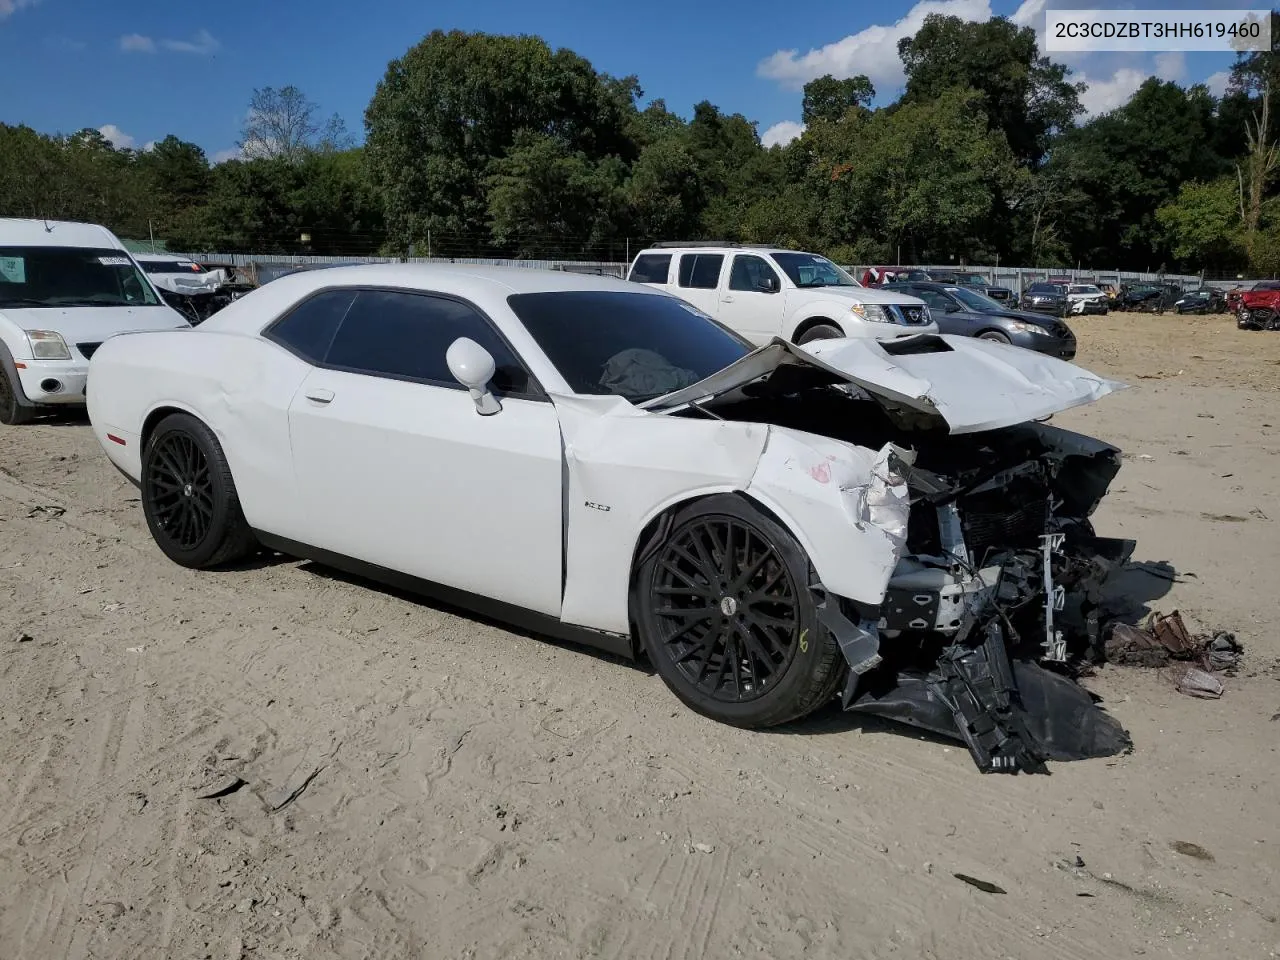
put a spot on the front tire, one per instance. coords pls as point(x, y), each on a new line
point(821, 331)
point(726, 616)
point(12, 412)
point(995, 336)
point(189, 497)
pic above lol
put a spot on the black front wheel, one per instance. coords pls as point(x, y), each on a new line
point(821, 331)
point(727, 618)
point(995, 336)
point(189, 497)
point(11, 411)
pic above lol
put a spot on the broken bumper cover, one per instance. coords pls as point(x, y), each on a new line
point(958, 651)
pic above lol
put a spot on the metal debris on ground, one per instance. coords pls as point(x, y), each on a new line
point(1195, 682)
point(1163, 641)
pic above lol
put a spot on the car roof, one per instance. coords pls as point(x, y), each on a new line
point(667, 251)
point(162, 258)
point(482, 284)
point(19, 232)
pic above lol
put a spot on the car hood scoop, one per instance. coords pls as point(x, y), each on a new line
point(930, 382)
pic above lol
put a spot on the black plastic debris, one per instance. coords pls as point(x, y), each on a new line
point(1013, 715)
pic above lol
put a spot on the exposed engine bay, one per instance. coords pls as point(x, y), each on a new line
point(997, 594)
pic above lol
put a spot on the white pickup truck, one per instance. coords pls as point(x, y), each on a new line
point(766, 292)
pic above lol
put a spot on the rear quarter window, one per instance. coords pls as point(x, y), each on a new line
point(651, 268)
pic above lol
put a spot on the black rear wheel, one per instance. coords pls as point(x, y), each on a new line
point(189, 497)
point(726, 616)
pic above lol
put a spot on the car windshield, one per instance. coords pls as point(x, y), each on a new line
point(633, 345)
point(71, 277)
point(1085, 288)
point(171, 266)
point(974, 300)
point(811, 270)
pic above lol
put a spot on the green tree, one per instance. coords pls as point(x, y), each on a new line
point(455, 103)
point(827, 98)
point(1202, 225)
point(1023, 94)
point(546, 200)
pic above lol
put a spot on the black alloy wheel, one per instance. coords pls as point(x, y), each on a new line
point(727, 604)
point(189, 498)
point(180, 490)
point(728, 619)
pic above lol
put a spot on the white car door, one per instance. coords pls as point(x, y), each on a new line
point(698, 280)
point(751, 299)
point(396, 467)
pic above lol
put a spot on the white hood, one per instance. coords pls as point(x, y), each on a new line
point(958, 383)
point(93, 324)
point(863, 294)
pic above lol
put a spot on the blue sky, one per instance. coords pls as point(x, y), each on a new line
point(141, 69)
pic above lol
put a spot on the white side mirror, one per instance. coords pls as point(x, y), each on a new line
point(473, 367)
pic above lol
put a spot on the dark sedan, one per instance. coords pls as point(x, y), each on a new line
point(968, 313)
point(976, 281)
point(1045, 297)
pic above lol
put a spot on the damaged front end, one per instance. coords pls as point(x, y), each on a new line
point(1002, 574)
point(996, 587)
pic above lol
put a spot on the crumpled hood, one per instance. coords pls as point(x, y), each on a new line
point(958, 384)
point(94, 324)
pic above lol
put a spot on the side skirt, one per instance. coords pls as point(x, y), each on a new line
point(617, 644)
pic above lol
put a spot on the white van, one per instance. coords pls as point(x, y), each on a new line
point(764, 292)
point(65, 288)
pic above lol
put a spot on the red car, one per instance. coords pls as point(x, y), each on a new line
point(1259, 308)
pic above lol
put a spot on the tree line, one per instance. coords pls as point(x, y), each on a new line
point(484, 145)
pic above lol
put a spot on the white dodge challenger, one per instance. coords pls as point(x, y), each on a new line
point(602, 462)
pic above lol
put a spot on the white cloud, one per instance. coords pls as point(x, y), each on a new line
point(1217, 82)
point(137, 43)
point(873, 51)
point(1030, 14)
point(148, 146)
point(204, 44)
point(780, 134)
point(1105, 95)
point(9, 7)
point(1171, 66)
point(119, 139)
point(222, 156)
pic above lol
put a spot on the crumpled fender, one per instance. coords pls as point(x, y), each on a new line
point(625, 466)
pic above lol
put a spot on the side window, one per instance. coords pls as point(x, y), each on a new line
point(309, 327)
point(701, 271)
point(651, 268)
point(749, 273)
point(406, 335)
point(935, 300)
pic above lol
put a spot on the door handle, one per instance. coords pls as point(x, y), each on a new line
point(726, 299)
point(319, 395)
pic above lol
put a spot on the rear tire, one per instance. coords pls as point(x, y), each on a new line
point(189, 497)
point(12, 412)
point(726, 616)
point(821, 331)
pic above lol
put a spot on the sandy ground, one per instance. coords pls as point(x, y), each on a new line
point(480, 793)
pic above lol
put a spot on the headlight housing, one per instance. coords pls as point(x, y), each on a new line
point(872, 312)
point(48, 345)
point(1033, 328)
